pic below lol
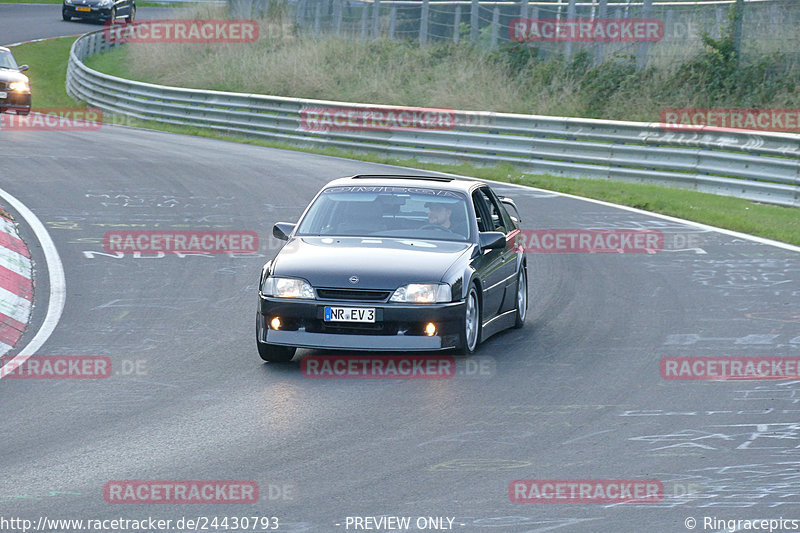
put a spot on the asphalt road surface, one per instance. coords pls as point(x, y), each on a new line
point(26, 22)
point(575, 394)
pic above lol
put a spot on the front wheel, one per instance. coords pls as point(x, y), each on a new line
point(471, 327)
point(522, 297)
point(113, 16)
point(131, 14)
point(275, 354)
point(66, 17)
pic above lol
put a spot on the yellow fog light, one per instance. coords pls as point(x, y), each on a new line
point(430, 329)
point(275, 323)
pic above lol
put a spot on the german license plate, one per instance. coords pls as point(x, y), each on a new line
point(3, 94)
point(83, 9)
point(349, 314)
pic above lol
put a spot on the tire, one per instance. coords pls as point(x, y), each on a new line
point(275, 354)
point(471, 326)
point(113, 16)
point(66, 17)
point(522, 298)
point(24, 113)
point(131, 14)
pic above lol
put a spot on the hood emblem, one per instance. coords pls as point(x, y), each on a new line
point(353, 279)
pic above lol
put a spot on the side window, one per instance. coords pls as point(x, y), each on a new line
point(495, 214)
point(480, 211)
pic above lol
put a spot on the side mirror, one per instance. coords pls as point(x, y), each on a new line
point(511, 207)
point(23, 68)
point(492, 240)
point(282, 230)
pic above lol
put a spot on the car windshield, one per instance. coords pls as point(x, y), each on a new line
point(7, 60)
point(388, 211)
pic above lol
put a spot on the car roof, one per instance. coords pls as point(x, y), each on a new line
point(4, 49)
point(403, 180)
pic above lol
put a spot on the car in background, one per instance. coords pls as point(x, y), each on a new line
point(393, 263)
point(99, 10)
point(15, 87)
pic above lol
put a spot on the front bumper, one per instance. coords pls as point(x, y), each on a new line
point(15, 101)
point(398, 327)
point(95, 13)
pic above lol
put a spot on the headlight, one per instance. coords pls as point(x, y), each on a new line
point(287, 288)
point(422, 293)
point(20, 86)
point(68, 2)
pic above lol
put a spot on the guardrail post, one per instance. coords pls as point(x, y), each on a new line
point(457, 24)
point(317, 15)
point(473, 21)
point(599, 48)
point(337, 16)
point(570, 15)
point(376, 11)
point(423, 23)
point(495, 24)
point(392, 19)
point(363, 21)
point(644, 47)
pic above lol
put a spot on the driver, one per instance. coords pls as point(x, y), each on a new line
point(439, 214)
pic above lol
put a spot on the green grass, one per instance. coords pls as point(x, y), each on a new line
point(48, 72)
point(774, 222)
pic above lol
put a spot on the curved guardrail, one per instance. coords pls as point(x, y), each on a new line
point(760, 166)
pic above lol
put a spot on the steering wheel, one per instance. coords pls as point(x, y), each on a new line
point(435, 226)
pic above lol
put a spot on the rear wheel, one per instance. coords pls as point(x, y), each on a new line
point(275, 354)
point(522, 297)
point(131, 14)
point(471, 327)
point(113, 16)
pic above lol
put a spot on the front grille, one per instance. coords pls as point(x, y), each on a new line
point(353, 294)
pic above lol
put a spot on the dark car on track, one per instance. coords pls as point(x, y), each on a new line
point(99, 10)
point(394, 263)
point(15, 88)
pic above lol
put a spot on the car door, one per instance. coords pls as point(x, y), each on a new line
point(502, 222)
point(490, 263)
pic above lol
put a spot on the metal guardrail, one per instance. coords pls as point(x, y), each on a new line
point(760, 166)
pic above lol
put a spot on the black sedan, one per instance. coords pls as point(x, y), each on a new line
point(15, 88)
point(395, 263)
point(99, 10)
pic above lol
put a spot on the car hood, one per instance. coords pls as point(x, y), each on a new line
point(12, 75)
point(379, 263)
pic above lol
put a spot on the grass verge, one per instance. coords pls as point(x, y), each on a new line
point(773, 222)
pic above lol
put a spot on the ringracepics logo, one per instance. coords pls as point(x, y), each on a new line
point(586, 491)
point(539, 241)
point(372, 367)
point(181, 492)
point(730, 119)
point(321, 119)
point(730, 368)
point(586, 30)
point(56, 367)
point(184, 241)
point(183, 31)
point(55, 119)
